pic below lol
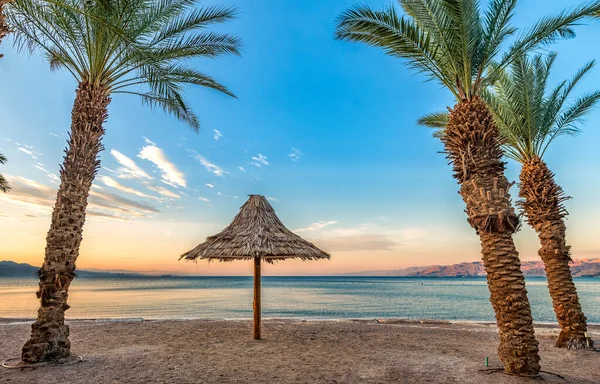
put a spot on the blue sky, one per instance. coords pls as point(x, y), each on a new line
point(325, 128)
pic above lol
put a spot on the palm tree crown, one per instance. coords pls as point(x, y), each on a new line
point(139, 47)
point(528, 113)
point(452, 41)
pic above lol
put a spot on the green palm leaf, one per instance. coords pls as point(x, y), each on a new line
point(398, 36)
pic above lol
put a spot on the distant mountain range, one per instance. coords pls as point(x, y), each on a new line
point(12, 269)
point(579, 268)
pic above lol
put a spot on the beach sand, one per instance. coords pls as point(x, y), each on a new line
point(293, 351)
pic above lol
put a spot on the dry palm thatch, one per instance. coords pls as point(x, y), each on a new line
point(256, 232)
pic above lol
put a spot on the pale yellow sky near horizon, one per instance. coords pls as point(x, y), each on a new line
point(153, 246)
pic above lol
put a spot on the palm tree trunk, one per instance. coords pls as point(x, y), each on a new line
point(4, 30)
point(543, 207)
point(471, 140)
point(49, 337)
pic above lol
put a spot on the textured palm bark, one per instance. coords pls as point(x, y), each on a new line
point(472, 144)
point(543, 206)
point(50, 335)
point(4, 30)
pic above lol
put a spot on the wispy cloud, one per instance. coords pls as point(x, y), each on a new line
point(217, 134)
point(30, 192)
point(104, 215)
point(260, 160)
point(295, 155)
point(170, 175)
point(118, 203)
point(209, 185)
point(241, 169)
point(210, 167)
point(148, 141)
point(40, 166)
point(316, 226)
point(35, 194)
point(227, 196)
point(28, 150)
point(110, 182)
point(357, 243)
point(366, 237)
point(163, 191)
point(53, 178)
point(204, 199)
point(271, 198)
point(129, 169)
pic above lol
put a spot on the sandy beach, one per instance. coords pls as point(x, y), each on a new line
point(293, 351)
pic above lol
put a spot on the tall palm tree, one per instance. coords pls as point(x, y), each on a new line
point(136, 47)
point(4, 187)
point(530, 119)
point(531, 116)
point(454, 43)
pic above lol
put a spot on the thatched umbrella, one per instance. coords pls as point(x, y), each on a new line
point(255, 233)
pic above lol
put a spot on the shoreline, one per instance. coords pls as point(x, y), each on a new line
point(378, 320)
point(144, 276)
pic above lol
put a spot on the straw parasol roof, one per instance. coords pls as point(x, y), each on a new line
point(256, 231)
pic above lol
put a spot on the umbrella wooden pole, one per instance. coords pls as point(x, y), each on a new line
point(256, 327)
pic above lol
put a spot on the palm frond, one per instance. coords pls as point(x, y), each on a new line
point(437, 120)
point(4, 186)
point(546, 31)
point(196, 20)
point(469, 38)
point(529, 114)
point(207, 45)
point(568, 122)
point(173, 104)
point(431, 15)
point(570, 85)
point(434, 120)
point(398, 36)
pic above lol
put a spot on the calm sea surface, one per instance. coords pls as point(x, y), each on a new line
point(287, 297)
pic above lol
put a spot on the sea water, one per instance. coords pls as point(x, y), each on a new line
point(452, 298)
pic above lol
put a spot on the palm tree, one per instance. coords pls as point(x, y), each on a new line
point(4, 187)
point(136, 47)
point(531, 117)
point(454, 43)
